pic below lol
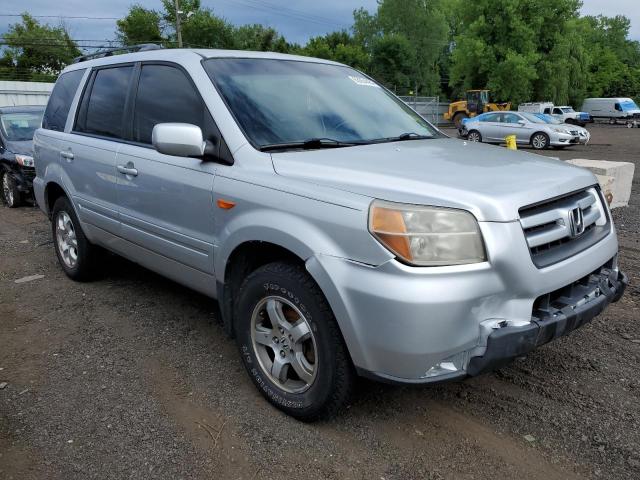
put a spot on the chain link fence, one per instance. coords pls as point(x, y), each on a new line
point(429, 107)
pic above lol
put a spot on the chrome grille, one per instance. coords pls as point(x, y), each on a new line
point(564, 226)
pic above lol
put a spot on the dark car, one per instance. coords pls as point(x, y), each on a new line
point(17, 126)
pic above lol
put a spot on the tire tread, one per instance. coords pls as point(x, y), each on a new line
point(344, 372)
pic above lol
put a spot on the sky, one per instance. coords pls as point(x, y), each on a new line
point(297, 20)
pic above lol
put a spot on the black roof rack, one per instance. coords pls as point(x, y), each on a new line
point(114, 51)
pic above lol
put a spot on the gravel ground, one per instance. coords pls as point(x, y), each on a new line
point(131, 376)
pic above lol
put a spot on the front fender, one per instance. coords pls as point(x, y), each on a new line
point(300, 224)
point(302, 236)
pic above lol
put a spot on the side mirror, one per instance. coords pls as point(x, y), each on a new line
point(178, 139)
point(521, 122)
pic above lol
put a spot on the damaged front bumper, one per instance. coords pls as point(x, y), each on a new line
point(555, 315)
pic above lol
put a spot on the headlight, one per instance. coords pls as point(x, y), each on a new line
point(427, 236)
point(24, 160)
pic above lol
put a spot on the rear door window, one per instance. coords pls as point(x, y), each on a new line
point(491, 117)
point(103, 105)
point(165, 95)
point(510, 118)
point(55, 115)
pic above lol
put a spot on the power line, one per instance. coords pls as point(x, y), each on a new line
point(71, 17)
point(286, 12)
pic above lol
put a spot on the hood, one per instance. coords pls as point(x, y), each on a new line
point(491, 182)
point(24, 147)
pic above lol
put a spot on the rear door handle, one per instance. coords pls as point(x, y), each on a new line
point(127, 170)
point(66, 154)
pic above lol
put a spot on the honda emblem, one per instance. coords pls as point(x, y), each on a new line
point(576, 222)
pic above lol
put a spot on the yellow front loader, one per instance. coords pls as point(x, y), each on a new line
point(477, 102)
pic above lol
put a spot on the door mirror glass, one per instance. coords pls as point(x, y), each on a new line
point(178, 139)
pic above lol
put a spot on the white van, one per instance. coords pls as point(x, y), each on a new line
point(613, 109)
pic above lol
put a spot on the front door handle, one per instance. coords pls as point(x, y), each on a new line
point(128, 170)
point(66, 154)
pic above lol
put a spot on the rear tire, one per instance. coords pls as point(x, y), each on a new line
point(290, 342)
point(474, 136)
point(11, 196)
point(540, 141)
point(75, 253)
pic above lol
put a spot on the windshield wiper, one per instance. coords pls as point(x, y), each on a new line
point(403, 137)
point(310, 144)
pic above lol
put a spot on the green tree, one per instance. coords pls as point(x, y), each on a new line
point(35, 51)
point(337, 46)
point(394, 63)
point(614, 69)
point(204, 29)
point(521, 49)
point(141, 25)
point(423, 26)
point(259, 38)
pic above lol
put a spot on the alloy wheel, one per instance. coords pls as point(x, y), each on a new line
point(66, 240)
point(474, 137)
point(284, 344)
point(539, 142)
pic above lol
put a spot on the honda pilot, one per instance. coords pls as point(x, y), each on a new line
point(340, 232)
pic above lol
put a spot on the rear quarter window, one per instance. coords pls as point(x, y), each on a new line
point(55, 115)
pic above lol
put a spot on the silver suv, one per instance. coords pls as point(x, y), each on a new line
point(341, 233)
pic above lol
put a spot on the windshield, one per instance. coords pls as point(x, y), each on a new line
point(628, 105)
point(283, 102)
point(567, 109)
point(539, 118)
point(20, 126)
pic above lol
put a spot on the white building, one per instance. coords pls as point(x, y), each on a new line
point(24, 93)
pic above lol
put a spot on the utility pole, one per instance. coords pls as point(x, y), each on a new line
point(178, 31)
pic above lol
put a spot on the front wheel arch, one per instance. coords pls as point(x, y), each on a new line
point(546, 144)
point(243, 260)
point(475, 132)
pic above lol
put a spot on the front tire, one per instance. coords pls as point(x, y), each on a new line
point(540, 141)
point(457, 119)
point(75, 253)
point(474, 136)
point(290, 342)
point(11, 196)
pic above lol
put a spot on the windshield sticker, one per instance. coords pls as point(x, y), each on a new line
point(365, 82)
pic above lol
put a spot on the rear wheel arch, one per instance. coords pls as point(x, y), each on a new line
point(52, 192)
